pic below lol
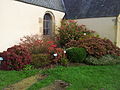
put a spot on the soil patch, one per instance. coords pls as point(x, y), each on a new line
point(57, 85)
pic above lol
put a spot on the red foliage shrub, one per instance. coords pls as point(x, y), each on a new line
point(15, 58)
point(37, 44)
point(60, 54)
point(96, 46)
point(70, 30)
point(44, 45)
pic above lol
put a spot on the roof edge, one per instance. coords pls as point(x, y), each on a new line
point(39, 5)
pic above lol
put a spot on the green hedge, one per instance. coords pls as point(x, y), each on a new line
point(75, 54)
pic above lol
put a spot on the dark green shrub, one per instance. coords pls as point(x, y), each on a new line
point(76, 54)
point(40, 60)
point(104, 60)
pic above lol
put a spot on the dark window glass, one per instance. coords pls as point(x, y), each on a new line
point(47, 29)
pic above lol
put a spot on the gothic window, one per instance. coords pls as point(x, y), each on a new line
point(47, 25)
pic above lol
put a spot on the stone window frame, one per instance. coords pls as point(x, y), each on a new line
point(52, 26)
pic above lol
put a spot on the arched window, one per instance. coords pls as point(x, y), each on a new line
point(47, 25)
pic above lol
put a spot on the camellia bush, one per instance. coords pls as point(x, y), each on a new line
point(15, 58)
point(70, 30)
point(95, 46)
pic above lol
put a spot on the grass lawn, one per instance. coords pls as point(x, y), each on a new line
point(10, 77)
point(83, 77)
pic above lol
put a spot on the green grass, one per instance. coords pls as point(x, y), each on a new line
point(83, 77)
point(10, 77)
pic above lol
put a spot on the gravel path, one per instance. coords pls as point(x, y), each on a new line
point(25, 83)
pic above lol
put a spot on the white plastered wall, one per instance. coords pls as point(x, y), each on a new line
point(105, 27)
point(118, 31)
point(18, 19)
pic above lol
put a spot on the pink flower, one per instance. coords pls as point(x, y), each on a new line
point(49, 42)
point(72, 21)
point(53, 46)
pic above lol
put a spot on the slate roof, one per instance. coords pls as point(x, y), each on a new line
point(51, 4)
point(76, 9)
